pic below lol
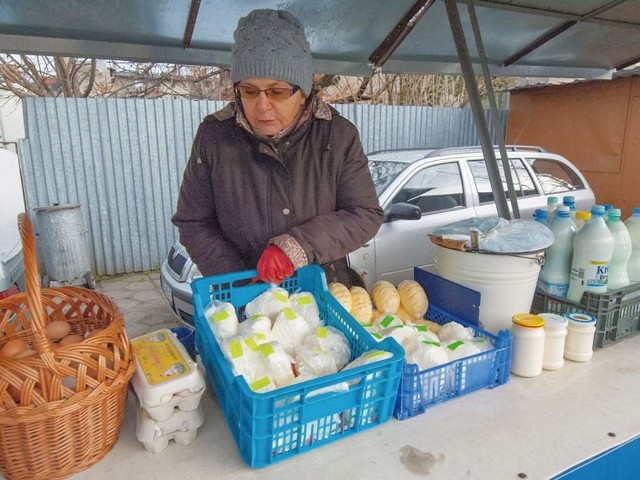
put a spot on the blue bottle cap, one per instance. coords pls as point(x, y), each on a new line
point(552, 200)
point(597, 210)
point(636, 210)
point(569, 200)
point(614, 213)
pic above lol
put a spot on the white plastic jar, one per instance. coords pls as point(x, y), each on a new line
point(581, 330)
point(555, 333)
point(528, 344)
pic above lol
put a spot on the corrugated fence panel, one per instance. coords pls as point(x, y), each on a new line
point(122, 161)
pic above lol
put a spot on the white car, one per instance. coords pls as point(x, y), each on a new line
point(420, 191)
point(12, 201)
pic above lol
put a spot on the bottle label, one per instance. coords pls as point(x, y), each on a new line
point(594, 277)
point(556, 289)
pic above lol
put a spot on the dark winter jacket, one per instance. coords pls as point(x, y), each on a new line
point(311, 194)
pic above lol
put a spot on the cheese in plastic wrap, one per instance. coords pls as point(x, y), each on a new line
point(452, 331)
point(312, 361)
point(305, 304)
point(387, 320)
point(407, 337)
point(332, 341)
point(460, 349)
point(256, 324)
point(289, 330)
point(222, 318)
point(428, 355)
point(269, 303)
point(245, 358)
point(278, 363)
point(424, 334)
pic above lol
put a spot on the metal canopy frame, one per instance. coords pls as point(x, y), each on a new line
point(546, 38)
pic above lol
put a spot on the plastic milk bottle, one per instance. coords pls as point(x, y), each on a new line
point(592, 252)
point(618, 276)
point(556, 271)
point(552, 206)
point(633, 226)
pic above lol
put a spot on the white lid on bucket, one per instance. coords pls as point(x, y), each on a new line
point(554, 321)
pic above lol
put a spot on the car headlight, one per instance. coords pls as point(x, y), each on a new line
point(193, 273)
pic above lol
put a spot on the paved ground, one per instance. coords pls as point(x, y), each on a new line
point(140, 297)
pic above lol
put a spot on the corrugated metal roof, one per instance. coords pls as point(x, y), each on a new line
point(550, 38)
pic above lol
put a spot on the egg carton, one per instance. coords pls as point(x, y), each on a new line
point(181, 426)
point(166, 377)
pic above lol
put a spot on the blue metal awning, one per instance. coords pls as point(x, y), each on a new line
point(548, 38)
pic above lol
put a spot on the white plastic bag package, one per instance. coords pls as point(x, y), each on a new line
point(332, 341)
point(255, 324)
point(428, 355)
point(305, 304)
point(244, 359)
point(460, 349)
point(424, 334)
point(268, 303)
point(452, 331)
point(407, 337)
point(263, 384)
point(387, 320)
point(222, 318)
point(289, 330)
point(482, 343)
point(312, 361)
point(367, 358)
point(278, 363)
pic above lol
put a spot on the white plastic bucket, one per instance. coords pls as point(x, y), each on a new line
point(507, 283)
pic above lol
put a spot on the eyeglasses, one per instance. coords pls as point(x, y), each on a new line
point(274, 93)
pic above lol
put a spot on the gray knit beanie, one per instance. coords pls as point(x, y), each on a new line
point(272, 44)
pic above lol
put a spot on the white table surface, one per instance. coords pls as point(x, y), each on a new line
point(536, 426)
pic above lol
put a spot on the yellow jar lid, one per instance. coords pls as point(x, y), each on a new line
point(528, 320)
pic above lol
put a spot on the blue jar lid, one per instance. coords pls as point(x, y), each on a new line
point(580, 318)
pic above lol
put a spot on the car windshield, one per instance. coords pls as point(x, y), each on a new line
point(386, 166)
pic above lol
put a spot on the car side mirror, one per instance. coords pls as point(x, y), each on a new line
point(403, 211)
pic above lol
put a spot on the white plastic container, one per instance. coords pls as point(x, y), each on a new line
point(528, 344)
point(506, 283)
point(165, 377)
point(581, 330)
point(633, 226)
point(618, 276)
point(556, 271)
point(555, 333)
point(182, 427)
point(592, 252)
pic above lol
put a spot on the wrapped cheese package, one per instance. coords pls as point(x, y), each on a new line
point(406, 336)
point(222, 318)
point(460, 349)
point(289, 330)
point(332, 341)
point(268, 303)
point(313, 362)
point(278, 363)
point(428, 355)
point(255, 324)
point(243, 358)
point(452, 331)
point(304, 304)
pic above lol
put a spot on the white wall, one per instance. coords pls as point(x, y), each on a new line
point(11, 119)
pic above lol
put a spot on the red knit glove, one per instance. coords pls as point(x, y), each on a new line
point(274, 265)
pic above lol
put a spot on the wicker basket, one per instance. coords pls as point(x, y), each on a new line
point(61, 408)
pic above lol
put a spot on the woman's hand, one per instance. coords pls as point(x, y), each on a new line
point(274, 265)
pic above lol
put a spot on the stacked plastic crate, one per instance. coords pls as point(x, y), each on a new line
point(169, 387)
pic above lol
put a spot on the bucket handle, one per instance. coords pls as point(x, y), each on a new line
point(538, 258)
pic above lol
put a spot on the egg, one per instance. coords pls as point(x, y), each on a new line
point(71, 339)
point(12, 348)
point(25, 353)
point(57, 329)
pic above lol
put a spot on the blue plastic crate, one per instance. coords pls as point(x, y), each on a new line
point(420, 390)
point(273, 426)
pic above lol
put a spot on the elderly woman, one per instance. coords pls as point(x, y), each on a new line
point(277, 179)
